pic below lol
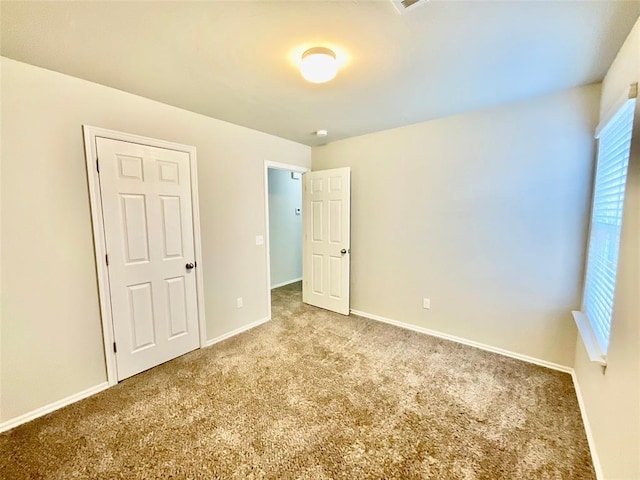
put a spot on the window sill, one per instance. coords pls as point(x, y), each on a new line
point(596, 355)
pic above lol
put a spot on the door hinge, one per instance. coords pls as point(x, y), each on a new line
point(115, 350)
point(106, 258)
point(97, 165)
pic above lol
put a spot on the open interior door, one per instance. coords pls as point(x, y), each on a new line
point(326, 200)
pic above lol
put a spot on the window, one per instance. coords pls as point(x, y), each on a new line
point(594, 322)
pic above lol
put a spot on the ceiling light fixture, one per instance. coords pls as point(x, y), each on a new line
point(319, 65)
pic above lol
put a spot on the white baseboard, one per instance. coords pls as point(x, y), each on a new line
point(587, 428)
point(39, 412)
point(464, 341)
point(237, 331)
point(288, 282)
point(592, 447)
point(14, 422)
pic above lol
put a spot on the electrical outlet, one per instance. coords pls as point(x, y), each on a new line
point(259, 240)
point(239, 303)
point(426, 303)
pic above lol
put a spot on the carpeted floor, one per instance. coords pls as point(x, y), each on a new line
point(314, 395)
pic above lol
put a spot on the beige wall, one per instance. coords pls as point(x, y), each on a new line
point(612, 400)
point(51, 334)
point(484, 213)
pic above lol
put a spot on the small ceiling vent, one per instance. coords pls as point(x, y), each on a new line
point(404, 6)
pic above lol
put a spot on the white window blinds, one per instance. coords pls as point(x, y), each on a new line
point(606, 221)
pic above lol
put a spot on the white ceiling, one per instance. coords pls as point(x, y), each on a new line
point(233, 60)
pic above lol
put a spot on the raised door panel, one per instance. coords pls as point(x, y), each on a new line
point(335, 184)
point(135, 236)
point(172, 234)
point(317, 185)
point(317, 274)
point(168, 172)
point(176, 306)
point(130, 168)
point(317, 223)
point(335, 277)
point(143, 332)
point(335, 222)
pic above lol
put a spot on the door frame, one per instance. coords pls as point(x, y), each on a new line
point(276, 166)
point(95, 198)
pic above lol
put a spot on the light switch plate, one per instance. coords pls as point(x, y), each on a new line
point(259, 240)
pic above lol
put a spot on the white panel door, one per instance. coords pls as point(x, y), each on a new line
point(146, 204)
point(326, 239)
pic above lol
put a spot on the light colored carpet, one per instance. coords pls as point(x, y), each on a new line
point(314, 395)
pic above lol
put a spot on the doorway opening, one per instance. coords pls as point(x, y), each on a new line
point(284, 224)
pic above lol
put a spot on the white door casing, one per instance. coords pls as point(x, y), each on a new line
point(278, 166)
point(149, 235)
point(326, 242)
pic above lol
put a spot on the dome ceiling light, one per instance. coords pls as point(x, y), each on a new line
point(319, 65)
